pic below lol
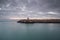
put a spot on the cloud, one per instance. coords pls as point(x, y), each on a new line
point(0, 8)
point(32, 8)
point(52, 13)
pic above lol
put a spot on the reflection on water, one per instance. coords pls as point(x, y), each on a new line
point(36, 31)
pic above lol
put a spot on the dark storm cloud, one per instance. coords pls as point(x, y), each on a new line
point(28, 7)
point(53, 5)
point(3, 1)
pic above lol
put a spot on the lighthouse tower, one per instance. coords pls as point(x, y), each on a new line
point(27, 18)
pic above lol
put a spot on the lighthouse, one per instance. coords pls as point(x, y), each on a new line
point(28, 18)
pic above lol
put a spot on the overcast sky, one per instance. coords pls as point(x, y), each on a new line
point(30, 8)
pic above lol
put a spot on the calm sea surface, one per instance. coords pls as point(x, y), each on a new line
point(36, 31)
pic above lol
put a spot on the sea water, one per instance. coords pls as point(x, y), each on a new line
point(35, 31)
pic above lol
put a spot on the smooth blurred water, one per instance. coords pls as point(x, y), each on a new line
point(36, 31)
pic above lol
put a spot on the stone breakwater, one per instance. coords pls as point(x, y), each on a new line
point(39, 21)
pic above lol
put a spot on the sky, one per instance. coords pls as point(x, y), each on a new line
point(29, 8)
